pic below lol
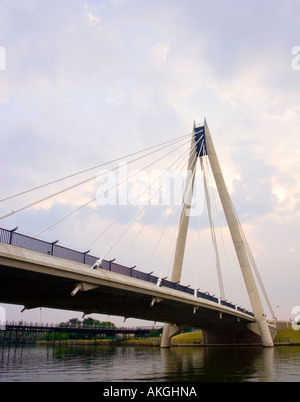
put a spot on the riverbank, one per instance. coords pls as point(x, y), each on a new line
point(284, 337)
point(287, 336)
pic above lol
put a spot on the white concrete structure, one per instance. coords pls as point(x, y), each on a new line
point(261, 326)
point(238, 242)
point(34, 280)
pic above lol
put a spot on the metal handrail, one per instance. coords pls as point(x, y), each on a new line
point(14, 238)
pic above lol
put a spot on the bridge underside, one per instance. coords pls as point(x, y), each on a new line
point(39, 290)
point(33, 290)
point(48, 281)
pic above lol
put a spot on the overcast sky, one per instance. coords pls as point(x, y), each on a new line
point(85, 82)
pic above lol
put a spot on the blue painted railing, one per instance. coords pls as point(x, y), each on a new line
point(16, 239)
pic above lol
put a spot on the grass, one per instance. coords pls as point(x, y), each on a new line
point(288, 335)
point(188, 338)
point(285, 335)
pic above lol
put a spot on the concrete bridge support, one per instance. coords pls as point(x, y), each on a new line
point(262, 328)
point(246, 334)
point(238, 243)
point(241, 336)
point(169, 331)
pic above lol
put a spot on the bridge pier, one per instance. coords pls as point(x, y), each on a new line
point(247, 334)
point(168, 331)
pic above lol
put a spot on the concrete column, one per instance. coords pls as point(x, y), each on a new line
point(185, 214)
point(182, 233)
point(233, 225)
point(168, 332)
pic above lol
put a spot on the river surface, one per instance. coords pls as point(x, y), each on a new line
point(149, 364)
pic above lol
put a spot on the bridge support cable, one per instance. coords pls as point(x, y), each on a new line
point(213, 234)
point(170, 142)
point(254, 266)
point(98, 263)
point(139, 197)
point(197, 268)
point(95, 198)
point(177, 168)
point(77, 184)
point(171, 212)
point(186, 201)
point(210, 180)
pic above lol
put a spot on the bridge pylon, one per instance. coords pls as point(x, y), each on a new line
point(262, 327)
point(168, 330)
point(238, 242)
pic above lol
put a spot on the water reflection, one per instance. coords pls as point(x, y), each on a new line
point(128, 363)
point(218, 364)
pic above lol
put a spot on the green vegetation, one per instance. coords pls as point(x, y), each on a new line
point(75, 323)
point(72, 338)
point(32, 337)
point(154, 338)
point(287, 335)
point(87, 322)
point(188, 338)
point(20, 338)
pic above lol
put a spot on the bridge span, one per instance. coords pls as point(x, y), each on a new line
point(33, 279)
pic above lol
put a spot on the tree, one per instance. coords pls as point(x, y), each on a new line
point(107, 324)
point(74, 322)
point(90, 321)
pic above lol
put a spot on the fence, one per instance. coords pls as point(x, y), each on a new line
point(41, 246)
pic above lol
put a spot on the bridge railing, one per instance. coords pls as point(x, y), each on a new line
point(16, 239)
point(15, 325)
point(30, 243)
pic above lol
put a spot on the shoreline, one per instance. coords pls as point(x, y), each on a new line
point(71, 342)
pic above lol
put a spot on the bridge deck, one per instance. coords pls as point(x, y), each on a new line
point(33, 279)
point(14, 238)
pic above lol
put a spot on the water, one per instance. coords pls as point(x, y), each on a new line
point(149, 364)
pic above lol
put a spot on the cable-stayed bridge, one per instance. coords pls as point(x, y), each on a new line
point(35, 273)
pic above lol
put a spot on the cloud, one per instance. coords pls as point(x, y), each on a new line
point(88, 81)
point(253, 192)
point(158, 54)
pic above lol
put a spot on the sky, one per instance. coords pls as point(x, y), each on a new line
point(84, 82)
